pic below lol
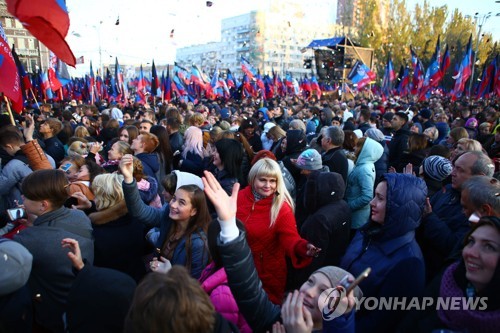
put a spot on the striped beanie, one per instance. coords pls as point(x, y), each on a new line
point(437, 167)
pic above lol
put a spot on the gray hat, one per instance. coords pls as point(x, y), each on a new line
point(335, 274)
point(309, 159)
point(437, 167)
point(15, 266)
point(375, 134)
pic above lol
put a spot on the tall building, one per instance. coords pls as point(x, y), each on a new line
point(350, 12)
point(274, 39)
point(32, 54)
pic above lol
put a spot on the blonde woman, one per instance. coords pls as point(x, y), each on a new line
point(464, 145)
point(81, 132)
point(267, 210)
point(118, 238)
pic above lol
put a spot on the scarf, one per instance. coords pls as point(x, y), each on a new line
point(470, 320)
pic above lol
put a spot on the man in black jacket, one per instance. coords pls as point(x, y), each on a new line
point(399, 142)
point(333, 155)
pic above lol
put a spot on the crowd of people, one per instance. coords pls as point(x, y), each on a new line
point(227, 216)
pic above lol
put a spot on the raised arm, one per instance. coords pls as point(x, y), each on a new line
point(147, 215)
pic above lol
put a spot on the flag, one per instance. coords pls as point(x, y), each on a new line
point(47, 91)
point(80, 60)
point(445, 61)
point(418, 73)
point(167, 90)
point(485, 87)
point(230, 80)
point(62, 72)
point(47, 21)
point(247, 68)
point(141, 88)
point(464, 72)
point(155, 82)
point(389, 76)
point(25, 79)
point(496, 78)
point(315, 86)
point(10, 83)
point(361, 75)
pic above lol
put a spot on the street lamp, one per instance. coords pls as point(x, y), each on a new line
point(481, 19)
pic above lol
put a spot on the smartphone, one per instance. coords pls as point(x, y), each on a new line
point(66, 167)
point(70, 202)
point(16, 213)
point(350, 286)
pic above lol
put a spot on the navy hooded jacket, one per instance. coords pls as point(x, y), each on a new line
point(392, 252)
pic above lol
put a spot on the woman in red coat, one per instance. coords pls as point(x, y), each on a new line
point(267, 210)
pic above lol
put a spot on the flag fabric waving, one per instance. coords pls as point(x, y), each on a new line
point(389, 76)
point(248, 68)
point(464, 72)
point(361, 75)
point(10, 83)
point(47, 21)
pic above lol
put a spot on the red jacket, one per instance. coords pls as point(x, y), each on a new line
point(270, 245)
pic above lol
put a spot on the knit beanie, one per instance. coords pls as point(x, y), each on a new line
point(334, 274)
point(15, 266)
point(375, 134)
point(437, 167)
point(309, 159)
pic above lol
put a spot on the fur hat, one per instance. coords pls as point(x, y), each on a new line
point(335, 274)
point(437, 167)
point(15, 266)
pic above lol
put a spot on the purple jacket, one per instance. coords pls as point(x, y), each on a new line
point(215, 285)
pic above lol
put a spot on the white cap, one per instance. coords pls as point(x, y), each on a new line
point(268, 126)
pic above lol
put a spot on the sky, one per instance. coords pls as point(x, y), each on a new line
point(144, 30)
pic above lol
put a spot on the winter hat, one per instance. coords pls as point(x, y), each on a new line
point(471, 123)
point(388, 116)
point(359, 133)
point(224, 113)
point(375, 134)
point(263, 154)
point(309, 159)
point(268, 126)
point(15, 266)
point(425, 113)
point(437, 167)
point(419, 127)
point(335, 274)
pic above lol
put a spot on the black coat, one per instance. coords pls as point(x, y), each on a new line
point(397, 146)
point(336, 161)
point(328, 224)
point(253, 302)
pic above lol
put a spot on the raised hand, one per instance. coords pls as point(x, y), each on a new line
point(408, 169)
point(74, 253)
point(160, 266)
point(312, 251)
point(95, 147)
point(83, 201)
point(296, 318)
point(225, 205)
point(127, 168)
point(29, 129)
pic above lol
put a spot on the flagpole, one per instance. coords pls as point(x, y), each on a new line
point(9, 110)
point(34, 97)
point(61, 94)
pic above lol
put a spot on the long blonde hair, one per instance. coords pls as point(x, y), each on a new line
point(266, 167)
point(108, 190)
